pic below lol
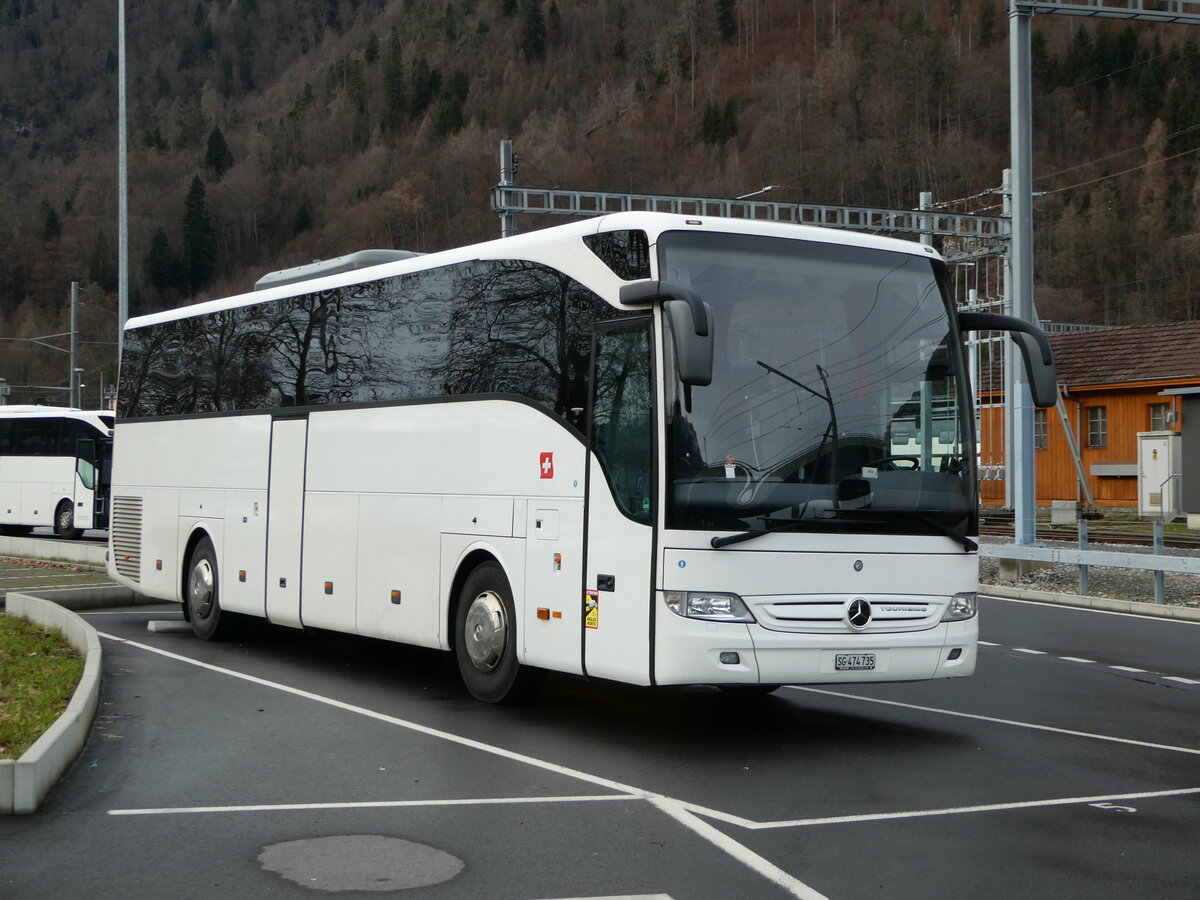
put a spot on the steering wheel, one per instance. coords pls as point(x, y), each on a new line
point(888, 463)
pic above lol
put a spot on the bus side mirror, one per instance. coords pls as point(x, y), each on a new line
point(690, 319)
point(693, 352)
point(1035, 351)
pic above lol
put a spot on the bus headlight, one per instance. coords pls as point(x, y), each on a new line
point(962, 606)
point(712, 607)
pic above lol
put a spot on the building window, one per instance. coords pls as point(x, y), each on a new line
point(1158, 416)
point(1097, 426)
point(1039, 429)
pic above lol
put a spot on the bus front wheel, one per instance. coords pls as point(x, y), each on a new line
point(203, 602)
point(64, 521)
point(486, 640)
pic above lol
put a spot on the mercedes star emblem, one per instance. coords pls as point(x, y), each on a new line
point(858, 614)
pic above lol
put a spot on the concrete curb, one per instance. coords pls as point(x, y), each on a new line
point(88, 553)
point(90, 597)
point(25, 782)
point(1107, 604)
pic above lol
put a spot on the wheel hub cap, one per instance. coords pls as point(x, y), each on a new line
point(201, 588)
point(486, 631)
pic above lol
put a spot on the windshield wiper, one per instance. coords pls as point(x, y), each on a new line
point(818, 514)
point(831, 516)
point(968, 544)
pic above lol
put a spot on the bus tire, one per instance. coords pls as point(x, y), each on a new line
point(202, 601)
point(485, 642)
point(64, 521)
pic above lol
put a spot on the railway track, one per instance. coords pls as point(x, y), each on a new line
point(1099, 536)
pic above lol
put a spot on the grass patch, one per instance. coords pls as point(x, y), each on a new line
point(39, 672)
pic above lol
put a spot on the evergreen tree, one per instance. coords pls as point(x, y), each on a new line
point(199, 255)
point(303, 220)
point(426, 82)
point(986, 28)
point(726, 19)
point(533, 32)
point(162, 266)
point(101, 270)
point(394, 93)
point(217, 158)
point(356, 85)
point(718, 123)
point(51, 224)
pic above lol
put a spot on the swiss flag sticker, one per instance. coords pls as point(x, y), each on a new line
point(546, 464)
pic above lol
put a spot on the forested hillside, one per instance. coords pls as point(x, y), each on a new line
point(266, 134)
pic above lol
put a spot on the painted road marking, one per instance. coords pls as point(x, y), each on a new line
point(1088, 609)
point(370, 804)
point(674, 808)
point(980, 718)
point(952, 811)
point(1076, 659)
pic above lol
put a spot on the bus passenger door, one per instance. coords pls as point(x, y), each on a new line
point(285, 519)
point(619, 580)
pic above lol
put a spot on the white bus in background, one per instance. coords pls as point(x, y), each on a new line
point(53, 469)
point(642, 447)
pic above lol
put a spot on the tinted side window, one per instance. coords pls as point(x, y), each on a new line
point(6, 435)
point(36, 437)
point(70, 431)
point(483, 327)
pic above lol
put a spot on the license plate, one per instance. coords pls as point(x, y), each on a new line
point(847, 662)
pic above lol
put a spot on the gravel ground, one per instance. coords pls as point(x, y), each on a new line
point(1118, 584)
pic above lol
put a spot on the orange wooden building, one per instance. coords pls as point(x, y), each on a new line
point(1111, 381)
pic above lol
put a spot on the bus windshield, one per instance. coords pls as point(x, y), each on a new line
point(837, 399)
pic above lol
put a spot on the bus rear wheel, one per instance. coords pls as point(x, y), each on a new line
point(203, 602)
point(64, 521)
point(485, 643)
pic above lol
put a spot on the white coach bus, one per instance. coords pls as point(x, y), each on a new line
point(642, 447)
point(53, 469)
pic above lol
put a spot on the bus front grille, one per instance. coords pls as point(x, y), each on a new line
point(828, 614)
point(126, 527)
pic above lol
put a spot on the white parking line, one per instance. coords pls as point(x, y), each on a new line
point(959, 810)
point(1076, 659)
point(979, 718)
point(1088, 609)
point(369, 804)
point(674, 808)
point(682, 811)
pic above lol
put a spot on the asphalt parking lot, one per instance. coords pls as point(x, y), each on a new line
point(293, 762)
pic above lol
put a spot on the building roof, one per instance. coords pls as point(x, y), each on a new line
point(1128, 353)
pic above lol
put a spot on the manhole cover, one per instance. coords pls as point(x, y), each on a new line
point(360, 862)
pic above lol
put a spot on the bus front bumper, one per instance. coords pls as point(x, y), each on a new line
point(696, 652)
